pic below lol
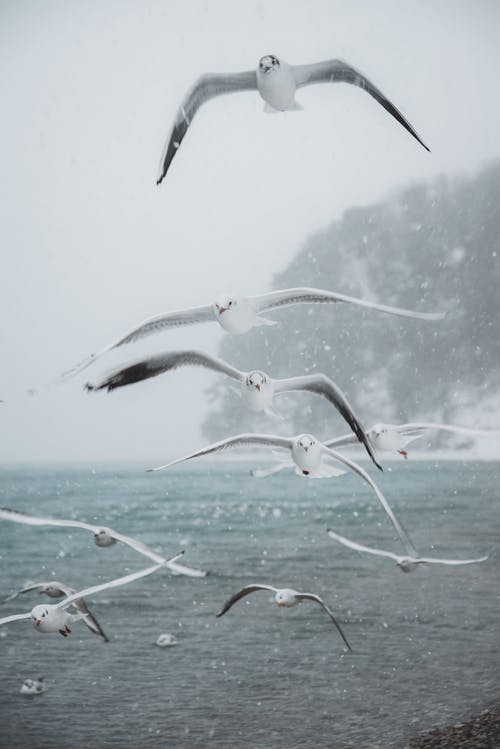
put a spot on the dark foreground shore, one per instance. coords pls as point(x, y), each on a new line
point(481, 732)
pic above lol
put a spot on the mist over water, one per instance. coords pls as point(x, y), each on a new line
point(424, 644)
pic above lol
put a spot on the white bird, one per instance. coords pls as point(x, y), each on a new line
point(55, 589)
point(103, 537)
point(277, 83)
point(258, 389)
point(166, 640)
point(286, 597)
point(52, 618)
point(395, 437)
point(237, 314)
point(405, 563)
point(33, 686)
point(308, 455)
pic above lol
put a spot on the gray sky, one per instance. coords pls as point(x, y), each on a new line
point(90, 245)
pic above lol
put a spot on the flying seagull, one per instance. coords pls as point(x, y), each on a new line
point(395, 437)
point(257, 388)
point(103, 537)
point(286, 597)
point(308, 455)
point(277, 83)
point(52, 618)
point(405, 563)
point(237, 314)
point(55, 589)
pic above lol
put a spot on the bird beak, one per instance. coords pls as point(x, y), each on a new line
point(37, 622)
point(258, 387)
point(221, 310)
point(279, 603)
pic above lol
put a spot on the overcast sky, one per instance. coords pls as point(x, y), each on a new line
point(90, 245)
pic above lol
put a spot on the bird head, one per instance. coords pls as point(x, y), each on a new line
point(306, 442)
point(268, 63)
point(39, 614)
point(256, 380)
point(103, 537)
point(225, 303)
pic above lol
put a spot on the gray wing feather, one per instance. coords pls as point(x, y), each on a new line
point(361, 547)
point(323, 385)
point(206, 87)
point(14, 618)
point(22, 517)
point(152, 325)
point(347, 439)
point(313, 597)
point(338, 71)
point(240, 440)
point(111, 584)
point(243, 592)
point(89, 619)
point(305, 295)
point(402, 533)
point(156, 365)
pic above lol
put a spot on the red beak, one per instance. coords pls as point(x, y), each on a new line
point(222, 309)
point(258, 387)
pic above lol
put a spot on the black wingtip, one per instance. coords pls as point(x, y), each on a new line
point(88, 387)
point(160, 180)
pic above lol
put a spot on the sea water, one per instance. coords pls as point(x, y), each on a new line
point(425, 644)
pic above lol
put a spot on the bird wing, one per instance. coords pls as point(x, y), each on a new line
point(240, 440)
point(432, 560)
point(338, 71)
point(313, 597)
point(361, 547)
point(156, 365)
point(403, 535)
point(14, 618)
point(139, 546)
point(347, 439)
point(181, 569)
point(89, 619)
point(243, 592)
point(147, 327)
point(323, 385)
point(22, 517)
point(110, 584)
point(206, 87)
point(305, 295)
point(416, 426)
point(25, 589)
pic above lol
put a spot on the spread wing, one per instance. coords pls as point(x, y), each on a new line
point(207, 87)
point(338, 71)
point(240, 440)
point(305, 295)
point(106, 586)
point(346, 439)
point(147, 327)
point(361, 547)
point(25, 589)
point(14, 618)
point(422, 425)
point(403, 535)
point(433, 560)
point(156, 365)
point(243, 592)
point(317, 599)
point(89, 619)
point(22, 517)
point(322, 385)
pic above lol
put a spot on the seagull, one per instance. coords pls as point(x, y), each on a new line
point(257, 388)
point(55, 589)
point(33, 686)
point(103, 537)
point(308, 454)
point(277, 83)
point(286, 597)
point(52, 618)
point(405, 563)
point(395, 437)
point(237, 314)
point(166, 640)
